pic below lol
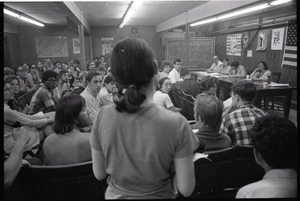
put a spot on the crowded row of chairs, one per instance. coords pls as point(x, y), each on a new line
point(219, 175)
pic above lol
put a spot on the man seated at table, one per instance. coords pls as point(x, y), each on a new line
point(237, 70)
point(238, 123)
point(188, 85)
point(174, 75)
point(216, 65)
point(275, 150)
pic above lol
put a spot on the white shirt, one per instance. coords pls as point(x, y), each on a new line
point(91, 101)
point(174, 76)
point(104, 97)
point(216, 67)
point(162, 99)
point(277, 183)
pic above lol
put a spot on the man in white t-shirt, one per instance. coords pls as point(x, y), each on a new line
point(216, 65)
point(174, 75)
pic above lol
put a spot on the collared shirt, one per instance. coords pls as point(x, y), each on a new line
point(224, 69)
point(42, 100)
point(216, 67)
point(91, 101)
point(104, 97)
point(277, 183)
point(174, 76)
point(240, 71)
point(212, 139)
point(238, 123)
point(162, 99)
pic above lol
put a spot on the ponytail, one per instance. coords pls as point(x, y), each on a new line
point(131, 100)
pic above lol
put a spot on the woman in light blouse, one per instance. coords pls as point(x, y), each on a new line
point(261, 72)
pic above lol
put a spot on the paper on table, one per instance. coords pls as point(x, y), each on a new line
point(274, 84)
point(198, 156)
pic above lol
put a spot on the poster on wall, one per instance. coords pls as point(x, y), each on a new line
point(51, 46)
point(107, 45)
point(76, 46)
point(233, 44)
point(245, 39)
point(262, 40)
point(277, 39)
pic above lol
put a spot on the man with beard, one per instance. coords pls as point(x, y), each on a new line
point(69, 145)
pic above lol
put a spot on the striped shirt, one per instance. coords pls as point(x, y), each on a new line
point(238, 123)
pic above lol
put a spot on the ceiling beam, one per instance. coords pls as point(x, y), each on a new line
point(75, 14)
point(201, 12)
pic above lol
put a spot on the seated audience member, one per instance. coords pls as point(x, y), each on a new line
point(81, 84)
point(188, 85)
point(216, 65)
point(63, 85)
point(42, 99)
point(64, 66)
point(161, 95)
point(94, 84)
point(166, 67)
point(22, 76)
point(90, 66)
point(33, 76)
point(275, 149)
point(238, 123)
point(13, 163)
point(209, 85)
point(76, 65)
point(14, 103)
point(102, 62)
point(68, 145)
point(102, 70)
point(208, 115)
point(174, 74)
point(236, 70)
point(136, 142)
point(8, 71)
point(261, 72)
point(17, 122)
point(224, 68)
point(108, 93)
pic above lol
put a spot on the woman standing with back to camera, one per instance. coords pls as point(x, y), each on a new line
point(137, 142)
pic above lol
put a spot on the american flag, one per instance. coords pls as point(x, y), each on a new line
point(290, 51)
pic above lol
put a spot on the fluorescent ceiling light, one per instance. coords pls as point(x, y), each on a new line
point(279, 2)
point(204, 21)
point(21, 17)
point(8, 12)
point(130, 11)
point(244, 11)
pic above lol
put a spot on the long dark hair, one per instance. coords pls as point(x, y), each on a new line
point(133, 66)
point(67, 111)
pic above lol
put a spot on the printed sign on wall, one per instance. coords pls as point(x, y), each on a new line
point(277, 39)
point(233, 44)
point(262, 40)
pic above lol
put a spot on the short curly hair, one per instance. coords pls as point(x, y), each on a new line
point(275, 138)
point(208, 82)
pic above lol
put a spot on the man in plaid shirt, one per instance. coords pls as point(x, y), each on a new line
point(238, 123)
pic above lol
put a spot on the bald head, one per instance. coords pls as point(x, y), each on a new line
point(215, 59)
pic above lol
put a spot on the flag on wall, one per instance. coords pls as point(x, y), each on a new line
point(290, 51)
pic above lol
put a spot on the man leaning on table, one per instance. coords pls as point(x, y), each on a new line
point(216, 65)
point(237, 70)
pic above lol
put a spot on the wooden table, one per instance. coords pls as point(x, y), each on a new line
point(261, 92)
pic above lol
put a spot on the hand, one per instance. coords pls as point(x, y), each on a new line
point(27, 109)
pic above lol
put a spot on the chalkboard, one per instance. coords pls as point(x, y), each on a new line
point(51, 46)
point(200, 52)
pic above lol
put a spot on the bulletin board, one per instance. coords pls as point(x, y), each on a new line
point(200, 51)
point(52, 46)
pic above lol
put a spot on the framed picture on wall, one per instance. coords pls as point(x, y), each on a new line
point(51, 46)
point(76, 46)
